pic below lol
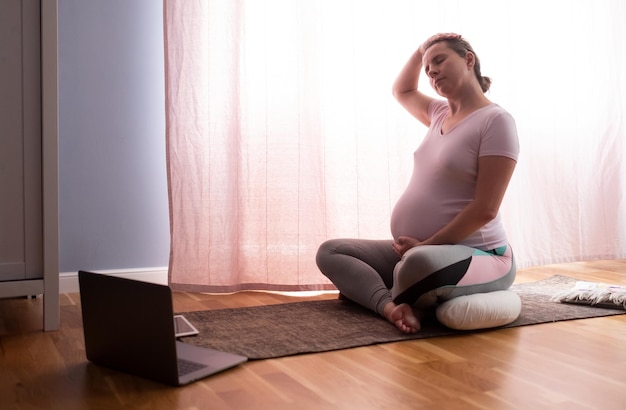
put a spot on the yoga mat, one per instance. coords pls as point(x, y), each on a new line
point(264, 332)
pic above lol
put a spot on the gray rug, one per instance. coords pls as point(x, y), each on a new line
point(286, 329)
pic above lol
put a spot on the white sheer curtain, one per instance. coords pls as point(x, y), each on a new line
point(282, 132)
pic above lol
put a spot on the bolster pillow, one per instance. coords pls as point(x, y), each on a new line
point(480, 310)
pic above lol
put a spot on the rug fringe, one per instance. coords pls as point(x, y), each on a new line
point(591, 293)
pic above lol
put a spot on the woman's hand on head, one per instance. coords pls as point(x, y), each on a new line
point(443, 36)
point(436, 38)
point(404, 243)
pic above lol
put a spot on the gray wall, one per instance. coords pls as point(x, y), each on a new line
point(112, 174)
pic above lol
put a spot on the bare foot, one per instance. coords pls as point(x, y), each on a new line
point(403, 317)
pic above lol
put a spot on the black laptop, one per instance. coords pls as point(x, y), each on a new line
point(129, 326)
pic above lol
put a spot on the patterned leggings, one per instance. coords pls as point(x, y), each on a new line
point(370, 273)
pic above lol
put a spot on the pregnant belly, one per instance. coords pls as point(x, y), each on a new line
point(417, 216)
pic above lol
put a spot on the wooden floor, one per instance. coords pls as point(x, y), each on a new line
point(565, 365)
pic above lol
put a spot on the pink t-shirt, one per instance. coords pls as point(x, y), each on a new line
point(445, 169)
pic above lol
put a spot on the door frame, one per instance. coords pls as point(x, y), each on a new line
point(50, 161)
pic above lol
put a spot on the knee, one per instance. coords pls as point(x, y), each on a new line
point(415, 264)
point(326, 248)
point(325, 251)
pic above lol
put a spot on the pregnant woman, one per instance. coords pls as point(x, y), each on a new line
point(448, 238)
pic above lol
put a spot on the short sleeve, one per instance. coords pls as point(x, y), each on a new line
point(500, 136)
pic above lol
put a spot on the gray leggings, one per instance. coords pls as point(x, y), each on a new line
point(370, 273)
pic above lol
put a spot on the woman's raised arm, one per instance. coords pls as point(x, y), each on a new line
point(405, 89)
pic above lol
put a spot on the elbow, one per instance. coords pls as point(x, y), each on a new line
point(485, 211)
point(399, 93)
point(395, 93)
point(488, 215)
point(484, 214)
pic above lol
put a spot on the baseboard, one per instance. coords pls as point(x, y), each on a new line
point(68, 281)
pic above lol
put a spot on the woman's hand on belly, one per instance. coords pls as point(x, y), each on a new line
point(404, 243)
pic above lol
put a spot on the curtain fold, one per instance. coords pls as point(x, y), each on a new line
point(282, 132)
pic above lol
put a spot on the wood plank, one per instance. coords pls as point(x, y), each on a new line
point(578, 364)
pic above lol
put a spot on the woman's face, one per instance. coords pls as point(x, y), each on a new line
point(446, 70)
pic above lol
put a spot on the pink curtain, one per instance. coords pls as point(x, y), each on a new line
point(282, 132)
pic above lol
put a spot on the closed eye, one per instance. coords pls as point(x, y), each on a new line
point(438, 59)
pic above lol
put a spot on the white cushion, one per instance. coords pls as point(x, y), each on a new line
point(480, 310)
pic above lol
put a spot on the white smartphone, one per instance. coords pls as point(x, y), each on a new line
point(182, 327)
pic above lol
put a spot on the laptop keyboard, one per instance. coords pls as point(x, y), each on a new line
point(186, 367)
